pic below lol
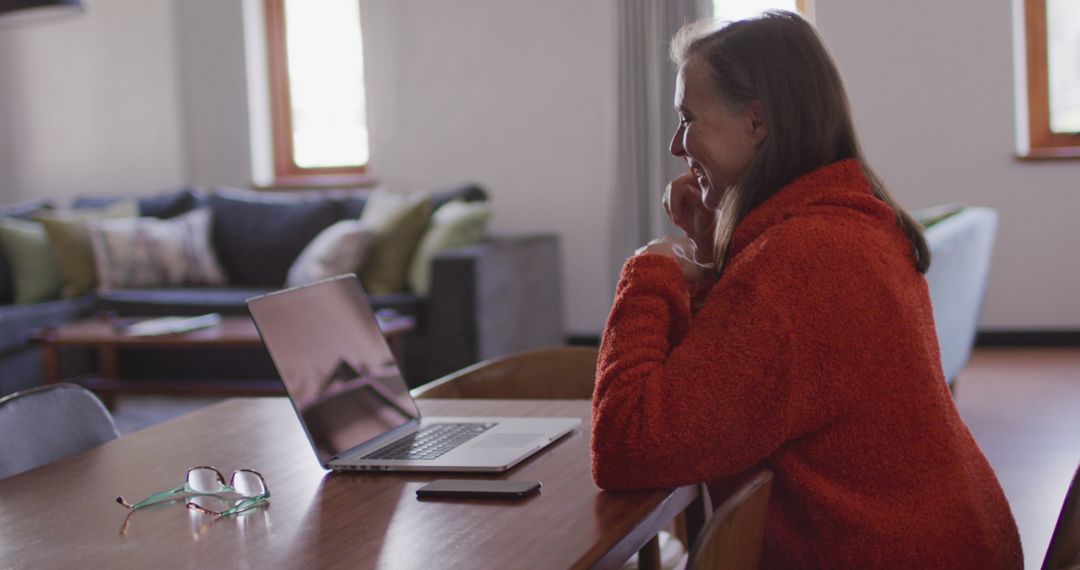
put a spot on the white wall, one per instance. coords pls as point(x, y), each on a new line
point(516, 95)
point(89, 105)
point(931, 84)
point(214, 93)
point(519, 96)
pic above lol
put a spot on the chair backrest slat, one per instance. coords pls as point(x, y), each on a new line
point(562, 373)
point(732, 539)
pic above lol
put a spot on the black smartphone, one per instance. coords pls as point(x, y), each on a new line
point(477, 489)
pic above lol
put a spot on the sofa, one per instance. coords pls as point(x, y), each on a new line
point(497, 296)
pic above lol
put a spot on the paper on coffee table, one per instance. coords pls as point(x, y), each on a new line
point(172, 325)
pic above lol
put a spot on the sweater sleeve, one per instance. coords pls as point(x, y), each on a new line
point(681, 399)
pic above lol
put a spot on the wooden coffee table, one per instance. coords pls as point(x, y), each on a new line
point(108, 338)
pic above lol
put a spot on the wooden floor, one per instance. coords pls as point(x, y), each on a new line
point(1023, 407)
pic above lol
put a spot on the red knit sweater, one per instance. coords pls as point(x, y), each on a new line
point(814, 356)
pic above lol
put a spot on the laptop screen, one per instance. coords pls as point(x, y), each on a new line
point(335, 363)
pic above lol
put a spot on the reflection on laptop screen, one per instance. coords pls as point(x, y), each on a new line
point(335, 364)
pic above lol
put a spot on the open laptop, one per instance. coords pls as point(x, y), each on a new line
point(353, 402)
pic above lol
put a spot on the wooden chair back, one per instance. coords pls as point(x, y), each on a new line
point(732, 538)
point(561, 373)
point(1064, 549)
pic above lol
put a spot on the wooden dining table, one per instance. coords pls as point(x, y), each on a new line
point(65, 515)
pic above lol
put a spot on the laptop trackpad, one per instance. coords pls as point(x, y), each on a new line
point(508, 440)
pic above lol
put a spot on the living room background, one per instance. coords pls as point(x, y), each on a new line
point(140, 95)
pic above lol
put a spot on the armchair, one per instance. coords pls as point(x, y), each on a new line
point(960, 245)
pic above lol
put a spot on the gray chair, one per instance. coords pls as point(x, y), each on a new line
point(960, 248)
point(48, 423)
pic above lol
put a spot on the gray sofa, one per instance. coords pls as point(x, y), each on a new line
point(494, 298)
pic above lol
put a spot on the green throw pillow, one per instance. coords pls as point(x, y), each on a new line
point(70, 239)
point(398, 221)
point(931, 216)
point(36, 273)
point(455, 224)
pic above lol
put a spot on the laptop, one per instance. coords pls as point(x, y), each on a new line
point(353, 402)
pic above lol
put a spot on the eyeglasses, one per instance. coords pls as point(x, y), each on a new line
point(206, 480)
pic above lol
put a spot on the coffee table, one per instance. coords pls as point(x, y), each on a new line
point(106, 335)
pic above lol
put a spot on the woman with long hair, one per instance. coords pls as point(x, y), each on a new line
point(790, 329)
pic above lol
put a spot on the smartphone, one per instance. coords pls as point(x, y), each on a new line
point(477, 489)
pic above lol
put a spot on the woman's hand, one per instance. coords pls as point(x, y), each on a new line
point(684, 251)
point(682, 201)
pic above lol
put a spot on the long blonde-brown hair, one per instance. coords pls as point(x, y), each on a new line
point(779, 59)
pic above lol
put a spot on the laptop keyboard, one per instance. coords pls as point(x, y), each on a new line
point(430, 441)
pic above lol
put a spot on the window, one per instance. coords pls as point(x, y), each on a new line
point(318, 104)
point(739, 9)
point(1052, 28)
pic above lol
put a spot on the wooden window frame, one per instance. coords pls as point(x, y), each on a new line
point(287, 174)
point(1042, 142)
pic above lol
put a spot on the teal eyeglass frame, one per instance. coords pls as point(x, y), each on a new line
point(223, 487)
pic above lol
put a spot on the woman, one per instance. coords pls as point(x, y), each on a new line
point(791, 328)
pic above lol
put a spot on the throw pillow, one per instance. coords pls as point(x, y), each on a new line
point(338, 249)
point(37, 274)
point(71, 241)
point(257, 236)
point(398, 221)
point(170, 204)
point(148, 252)
point(457, 224)
point(160, 205)
point(935, 214)
point(25, 210)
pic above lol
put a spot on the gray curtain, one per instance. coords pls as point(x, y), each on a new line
point(646, 120)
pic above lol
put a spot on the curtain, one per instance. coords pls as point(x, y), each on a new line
point(646, 120)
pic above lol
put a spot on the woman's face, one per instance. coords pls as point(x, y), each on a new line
point(716, 141)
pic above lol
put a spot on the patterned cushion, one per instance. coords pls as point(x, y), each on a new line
point(340, 248)
point(71, 242)
point(148, 252)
